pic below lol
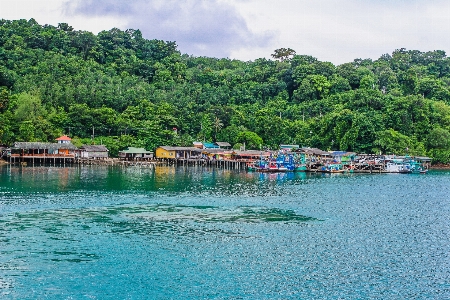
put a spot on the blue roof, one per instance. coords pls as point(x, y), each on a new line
point(210, 146)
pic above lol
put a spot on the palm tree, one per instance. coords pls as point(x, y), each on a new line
point(217, 126)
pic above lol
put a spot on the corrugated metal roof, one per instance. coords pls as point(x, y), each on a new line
point(94, 148)
point(170, 148)
point(423, 158)
point(314, 151)
point(223, 144)
point(210, 146)
point(217, 151)
point(41, 145)
point(134, 150)
point(251, 153)
point(285, 146)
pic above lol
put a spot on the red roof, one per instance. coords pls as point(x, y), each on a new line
point(64, 138)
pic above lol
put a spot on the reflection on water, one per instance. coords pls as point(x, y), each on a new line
point(196, 233)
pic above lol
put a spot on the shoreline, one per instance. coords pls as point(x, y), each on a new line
point(116, 162)
point(440, 167)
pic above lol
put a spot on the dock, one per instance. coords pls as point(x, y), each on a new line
point(229, 164)
point(41, 159)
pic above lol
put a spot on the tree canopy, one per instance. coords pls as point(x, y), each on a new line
point(120, 89)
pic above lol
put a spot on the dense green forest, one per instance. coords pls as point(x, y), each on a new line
point(119, 89)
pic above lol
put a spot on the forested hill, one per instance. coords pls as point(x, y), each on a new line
point(123, 90)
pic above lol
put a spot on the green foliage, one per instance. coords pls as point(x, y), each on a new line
point(28, 108)
point(26, 131)
point(339, 84)
point(391, 141)
point(440, 155)
point(250, 139)
point(120, 89)
point(230, 134)
point(206, 125)
point(238, 146)
point(438, 138)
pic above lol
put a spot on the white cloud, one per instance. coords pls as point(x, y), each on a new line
point(336, 31)
point(53, 12)
point(340, 31)
point(202, 28)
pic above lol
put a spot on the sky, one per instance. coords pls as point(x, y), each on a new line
point(338, 31)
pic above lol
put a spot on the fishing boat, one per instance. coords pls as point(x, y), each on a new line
point(258, 166)
point(300, 168)
point(276, 167)
point(417, 166)
point(398, 166)
point(251, 167)
point(265, 166)
point(332, 168)
point(288, 163)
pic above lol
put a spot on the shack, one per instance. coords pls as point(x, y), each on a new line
point(216, 153)
point(250, 154)
point(286, 147)
point(93, 152)
point(210, 146)
point(64, 139)
point(198, 145)
point(133, 153)
point(168, 152)
point(314, 153)
point(223, 145)
point(42, 152)
point(29, 149)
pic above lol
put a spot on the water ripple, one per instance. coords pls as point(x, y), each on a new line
point(198, 233)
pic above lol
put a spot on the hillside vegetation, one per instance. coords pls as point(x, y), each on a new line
point(120, 89)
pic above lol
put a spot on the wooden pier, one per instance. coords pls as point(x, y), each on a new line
point(115, 162)
point(41, 159)
point(229, 164)
point(315, 166)
point(62, 160)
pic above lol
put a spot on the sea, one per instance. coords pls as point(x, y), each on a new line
point(98, 232)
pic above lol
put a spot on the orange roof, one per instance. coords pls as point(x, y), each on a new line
point(64, 138)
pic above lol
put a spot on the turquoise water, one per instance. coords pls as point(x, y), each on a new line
point(198, 233)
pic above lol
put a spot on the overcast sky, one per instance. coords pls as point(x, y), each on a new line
point(336, 31)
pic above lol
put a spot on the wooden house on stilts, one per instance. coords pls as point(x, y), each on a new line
point(61, 152)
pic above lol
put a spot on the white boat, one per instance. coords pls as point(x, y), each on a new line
point(398, 167)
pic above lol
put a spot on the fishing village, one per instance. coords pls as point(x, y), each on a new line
point(288, 158)
point(224, 149)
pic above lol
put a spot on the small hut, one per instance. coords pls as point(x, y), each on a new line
point(223, 145)
point(250, 154)
point(42, 152)
point(198, 145)
point(64, 140)
point(177, 152)
point(210, 146)
point(93, 152)
point(286, 147)
point(133, 153)
point(43, 149)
